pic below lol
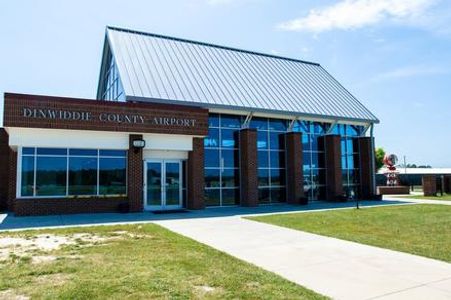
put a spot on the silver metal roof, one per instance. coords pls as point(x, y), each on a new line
point(166, 69)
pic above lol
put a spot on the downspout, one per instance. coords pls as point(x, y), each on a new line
point(373, 162)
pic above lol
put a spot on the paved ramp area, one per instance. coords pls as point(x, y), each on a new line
point(332, 267)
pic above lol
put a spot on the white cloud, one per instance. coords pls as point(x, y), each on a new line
point(353, 14)
point(412, 71)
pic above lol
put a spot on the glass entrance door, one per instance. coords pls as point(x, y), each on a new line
point(163, 184)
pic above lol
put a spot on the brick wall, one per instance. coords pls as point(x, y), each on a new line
point(12, 179)
point(4, 169)
point(135, 175)
point(334, 189)
point(294, 168)
point(429, 185)
point(447, 184)
point(195, 183)
point(248, 167)
point(365, 165)
point(15, 104)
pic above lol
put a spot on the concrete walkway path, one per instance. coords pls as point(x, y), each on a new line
point(332, 267)
point(420, 201)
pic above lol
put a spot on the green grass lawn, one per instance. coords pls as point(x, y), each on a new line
point(419, 229)
point(129, 262)
point(446, 197)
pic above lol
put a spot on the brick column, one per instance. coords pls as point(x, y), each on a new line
point(135, 175)
point(4, 170)
point(429, 185)
point(334, 180)
point(248, 167)
point(366, 165)
point(447, 188)
point(196, 181)
point(12, 181)
point(294, 168)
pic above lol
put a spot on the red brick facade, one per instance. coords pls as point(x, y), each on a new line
point(135, 175)
point(4, 170)
point(195, 180)
point(248, 167)
point(366, 167)
point(294, 169)
point(334, 179)
point(430, 185)
point(23, 111)
point(447, 188)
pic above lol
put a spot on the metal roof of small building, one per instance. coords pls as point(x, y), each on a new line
point(165, 69)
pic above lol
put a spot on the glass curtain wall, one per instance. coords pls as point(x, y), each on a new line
point(222, 160)
point(313, 151)
point(271, 159)
point(349, 157)
point(112, 86)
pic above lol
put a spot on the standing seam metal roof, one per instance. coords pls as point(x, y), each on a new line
point(156, 67)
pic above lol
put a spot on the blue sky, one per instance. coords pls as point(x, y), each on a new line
point(393, 55)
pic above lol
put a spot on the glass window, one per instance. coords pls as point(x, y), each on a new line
point(212, 178)
point(278, 195)
point(230, 158)
point(263, 177)
point(276, 140)
point(259, 123)
point(112, 176)
point(230, 121)
point(230, 196)
point(262, 140)
point(278, 125)
point(51, 151)
point(211, 158)
point(82, 152)
point(212, 140)
point(116, 153)
point(229, 138)
point(28, 151)
point(51, 176)
point(277, 177)
point(212, 197)
point(82, 176)
point(213, 120)
point(27, 183)
point(230, 178)
point(262, 157)
point(277, 159)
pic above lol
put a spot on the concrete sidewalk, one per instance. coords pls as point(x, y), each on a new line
point(332, 267)
point(420, 201)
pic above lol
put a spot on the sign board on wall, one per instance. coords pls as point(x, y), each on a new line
point(67, 113)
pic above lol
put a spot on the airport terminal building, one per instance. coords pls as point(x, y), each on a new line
point(183, 124)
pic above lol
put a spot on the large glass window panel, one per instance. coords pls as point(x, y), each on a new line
point(277, 195)
point(229, 138)
point(262, 140)
point(51, 151)
point(263, 177)
point(212, 197)
point(277, 159)
point(112, 176)
point(82, 176)
point(230, 121)
point(230, 196)
point(277, 177)
point(230, 158)
point(230, 178)
point(212, 177)
point(314, 161)
point(82, 152)
point(116, 153)
point(343, 162)
point(278, 125)
point(213, 120)
point(211, 158)
point(306, 142)
point(263, 195)
point(27, 183)
point(51, 176)
point(29, 151)
point(276, 140)
point(302, 126)
point(263, 159)
point(212, 140)
point(259, 123)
